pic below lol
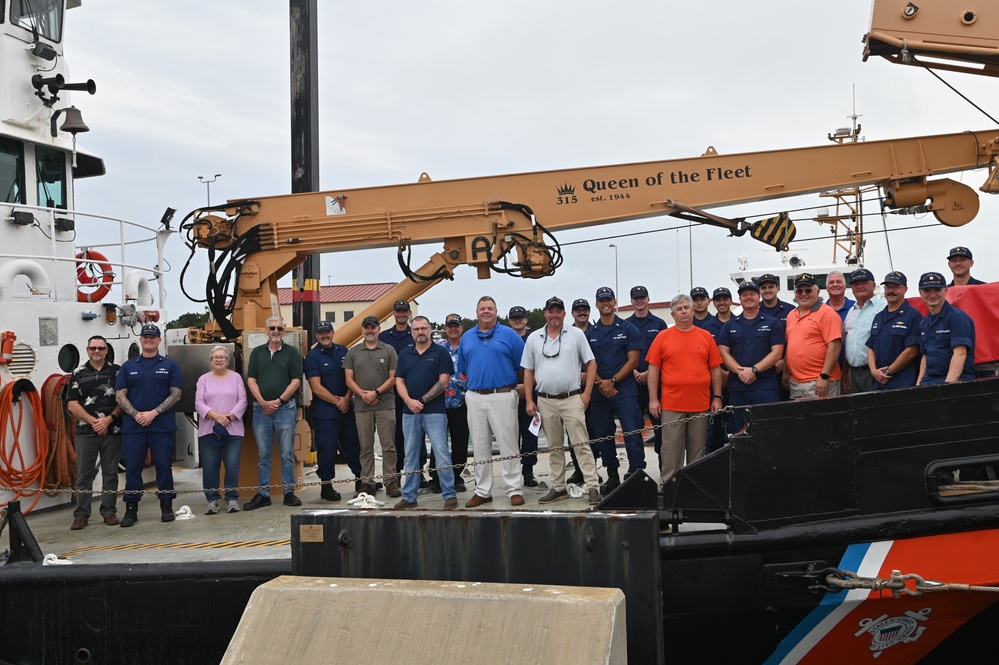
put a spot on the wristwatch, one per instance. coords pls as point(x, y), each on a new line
point(716, 397)
point(824, 376)
point(755, 371)
point(614, 380)
point(282, 400)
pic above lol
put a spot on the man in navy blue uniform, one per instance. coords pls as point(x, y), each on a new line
point(147, 388)
point(528, 441)
point(893, 346)
point(702, 317)
point(946, 334)
point(751, 345)
point(717, 436)
point(769, 302)
point(399, 337)
point(422, 376)
point(960, 261)
point(649, 325)
point(617, 346)
point(332, 412)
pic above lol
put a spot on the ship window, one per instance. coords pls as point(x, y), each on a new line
point(11, 171)
point(45, 16)
point(51, 169)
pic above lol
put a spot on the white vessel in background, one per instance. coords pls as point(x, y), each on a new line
point(65, 274)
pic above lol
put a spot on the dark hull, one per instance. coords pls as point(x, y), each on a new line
point(811, 485)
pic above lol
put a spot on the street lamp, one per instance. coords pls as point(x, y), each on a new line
point(208, 184)
point(616, 284)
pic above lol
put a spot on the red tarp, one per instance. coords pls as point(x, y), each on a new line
point(981, 303)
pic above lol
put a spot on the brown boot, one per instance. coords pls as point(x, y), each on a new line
point(392, 489)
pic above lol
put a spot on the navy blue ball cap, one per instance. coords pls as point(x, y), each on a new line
point(517, 311)
point(720, 292)
point(605, 292)
point(895, 277)
point(861, 275)
point(932, 280)
point(580, 303)
point(371, 321)
point(699, 292)
point(749, 285)
point(401, 306)
point(220, 432)
point(150, 330)
point(639, 292)
point(767, 278)
point(960, 251)
point(804, 279)
point(324, 326)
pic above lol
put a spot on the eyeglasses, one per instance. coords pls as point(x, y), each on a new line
point(97, 348)
point(275, 328)
point(544, 345)
point(223, 358)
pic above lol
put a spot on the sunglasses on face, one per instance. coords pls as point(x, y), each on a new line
point(97, 348)
point(275, 328)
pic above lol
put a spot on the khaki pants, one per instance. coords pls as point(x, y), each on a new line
point(488, 416)
point(367, 422)
point(806, 390)
point(681, 439)
point(557, 416)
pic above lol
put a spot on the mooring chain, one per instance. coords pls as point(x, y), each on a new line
point(29, 491)
point(838, 580)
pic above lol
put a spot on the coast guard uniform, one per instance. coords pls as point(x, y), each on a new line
point(333, 428)
point(939, 335)
point(891, 334)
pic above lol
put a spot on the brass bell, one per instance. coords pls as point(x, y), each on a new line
point(73, 124)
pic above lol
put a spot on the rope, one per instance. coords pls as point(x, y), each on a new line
point(838, 580)
point(16, 475)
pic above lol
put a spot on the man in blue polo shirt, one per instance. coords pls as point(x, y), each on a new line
point(147, 388)
point(616, 345)
point(947, 336)
point(421, 377)
point(399, 337)
point(332, 412)
point(649, 325)
point(489, 357)
point(751, 345)
point(893, 346)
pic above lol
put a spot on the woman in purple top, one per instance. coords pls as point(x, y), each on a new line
point(220, 401)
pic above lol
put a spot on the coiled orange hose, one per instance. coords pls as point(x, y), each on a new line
point(15, 472)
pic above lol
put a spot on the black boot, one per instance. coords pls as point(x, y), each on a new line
point(131, 514)
point(576, 478)
point(613, 482)
point(529, 479)
point(328, 492)
point(166, 508)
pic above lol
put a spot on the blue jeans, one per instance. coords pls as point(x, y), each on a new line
point(281, 423)
point(434, 425)
point(213, 453)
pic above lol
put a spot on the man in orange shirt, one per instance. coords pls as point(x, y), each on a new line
point(687, 361)
point(814, 334)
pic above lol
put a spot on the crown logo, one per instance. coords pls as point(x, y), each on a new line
point(566, 189)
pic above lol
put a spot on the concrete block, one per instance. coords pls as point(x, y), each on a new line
point(307, 620)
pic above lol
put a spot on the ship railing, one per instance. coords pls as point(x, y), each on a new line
point(122, 241)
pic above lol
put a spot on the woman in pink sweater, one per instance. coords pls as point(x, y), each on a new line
point(220, 401)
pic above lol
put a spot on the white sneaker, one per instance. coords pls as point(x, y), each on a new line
point(232, 506)
point(213, 507)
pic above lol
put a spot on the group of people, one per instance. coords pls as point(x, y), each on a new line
point(489, 382)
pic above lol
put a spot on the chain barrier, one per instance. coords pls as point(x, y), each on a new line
point(30, 491)
point(838, 580)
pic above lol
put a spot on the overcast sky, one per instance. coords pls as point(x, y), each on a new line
point(462, 89)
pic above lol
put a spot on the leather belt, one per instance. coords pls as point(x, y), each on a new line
point(504, 389)
point(571, 393)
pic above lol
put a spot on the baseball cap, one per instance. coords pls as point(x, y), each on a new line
point(767, 278)
point(580, 303)
point(960, 251)
point(861, 275)
point(371, 321)
point(749, 285)
point(452, 318)
point(699, 292)
point(639, 292)
point(931, 280)
point(516, 311)
point(721, 291)
point(150, 330)
point(220, 432)
point(401, 306)
point(804, 279)
point(324, 326)
point(895, 277)
point(554, 301)
point(605, 292)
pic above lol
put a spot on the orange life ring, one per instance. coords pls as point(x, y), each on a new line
point(93, 268)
